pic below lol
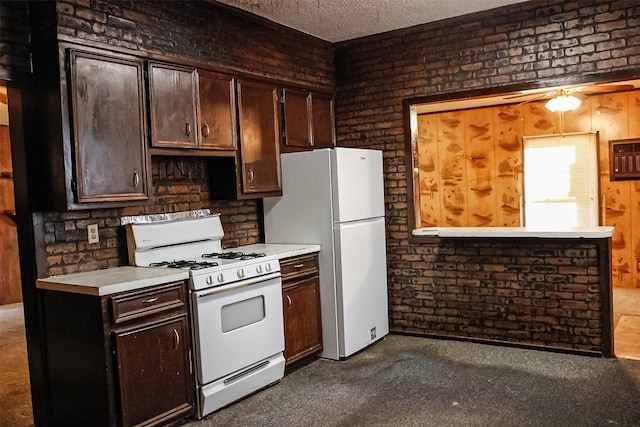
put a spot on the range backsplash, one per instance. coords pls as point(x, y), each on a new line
point(179, 184)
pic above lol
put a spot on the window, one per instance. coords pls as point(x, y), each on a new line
point(561, 180)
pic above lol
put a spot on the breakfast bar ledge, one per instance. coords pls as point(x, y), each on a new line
point(548, 233)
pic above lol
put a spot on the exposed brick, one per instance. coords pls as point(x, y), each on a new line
point(90, 15)
point(527, 43)
point(65, 8)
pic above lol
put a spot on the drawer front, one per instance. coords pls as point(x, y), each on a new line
point(295, 267)
point(150, 301)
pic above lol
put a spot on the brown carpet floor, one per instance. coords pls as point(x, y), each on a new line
point(421, 382)
point(404, 381)
point(15, 395)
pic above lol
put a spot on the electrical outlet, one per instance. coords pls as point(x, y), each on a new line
point(92, 232)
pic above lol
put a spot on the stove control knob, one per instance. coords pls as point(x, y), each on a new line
point(259, 269)
point(268, 267)
point(241, 273)
point(221, 278)
point(209, 280)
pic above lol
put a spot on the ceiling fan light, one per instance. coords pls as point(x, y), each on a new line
point(563, 103)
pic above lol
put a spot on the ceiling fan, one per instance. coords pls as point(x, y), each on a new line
point(565, 99)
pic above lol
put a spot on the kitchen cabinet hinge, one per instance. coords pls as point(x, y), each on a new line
point(74, 186)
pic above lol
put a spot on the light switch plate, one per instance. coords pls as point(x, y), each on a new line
point(92, 232)
point(59, 231)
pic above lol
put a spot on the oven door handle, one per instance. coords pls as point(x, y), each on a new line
point(232, 287)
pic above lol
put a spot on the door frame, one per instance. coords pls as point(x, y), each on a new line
point(30, 229)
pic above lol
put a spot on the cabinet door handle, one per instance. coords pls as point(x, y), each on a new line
point(150, 300)
point(298, 266)
point(205, 130)
point(136, 179)
point(187, 129)
point(176, 338)
point(289, 300)
point(250, 176)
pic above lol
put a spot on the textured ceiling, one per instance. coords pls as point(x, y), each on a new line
point(339, 20)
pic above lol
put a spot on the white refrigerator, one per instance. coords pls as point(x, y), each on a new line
point(335, 198)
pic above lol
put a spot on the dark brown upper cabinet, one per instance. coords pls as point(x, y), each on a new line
point(323, 121)
point(297, 119)
point(89, 147)
point(107, 102)
point(218, 126)
point(259, 123)
point(173, 95)
point(308, 120)
point(191, 108)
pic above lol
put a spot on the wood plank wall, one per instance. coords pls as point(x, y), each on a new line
point(470, 167)
point(10, 284)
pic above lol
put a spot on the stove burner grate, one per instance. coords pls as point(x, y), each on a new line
point(233, 255)
point(184, 264)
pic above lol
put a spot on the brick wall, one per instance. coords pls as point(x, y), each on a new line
point(203, 32)
point(194, 31)
point(536, 42)
point(526, 43)
point(533, 291)
point(179, 184)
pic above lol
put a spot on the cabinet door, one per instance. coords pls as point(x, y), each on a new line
point(154, 371)
point(302, 321)
point(258, 106)
point(297, 115)
point(217, 111)
point(323, 122)
point(107, 102)
point(173, 99)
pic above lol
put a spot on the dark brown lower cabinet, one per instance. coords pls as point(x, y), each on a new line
point(301, 307)
point(155, 387)
point(119, 360)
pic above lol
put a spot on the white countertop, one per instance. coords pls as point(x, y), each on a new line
point(128, 278)
point(111, 280)
point(560, 233)
point(282, 250)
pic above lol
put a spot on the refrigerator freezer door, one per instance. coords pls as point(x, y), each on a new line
point(358, 184)
point(361, 282)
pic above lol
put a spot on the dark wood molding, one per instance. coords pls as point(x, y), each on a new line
point(180, 152)
point(499, 343)
point(596, 78)
point(31, 247)
point(606, 297)
point(408, 162)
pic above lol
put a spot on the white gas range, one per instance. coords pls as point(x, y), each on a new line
point(236, 304)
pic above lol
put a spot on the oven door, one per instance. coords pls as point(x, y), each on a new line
point(237, 325)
